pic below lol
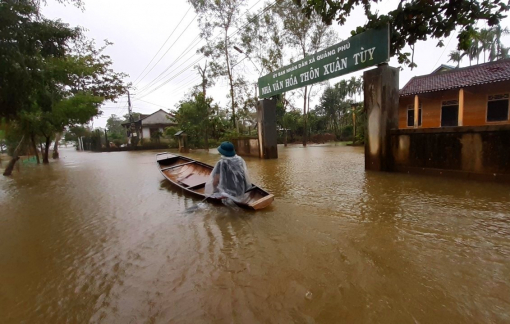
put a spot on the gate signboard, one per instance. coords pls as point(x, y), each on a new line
point(356, 53)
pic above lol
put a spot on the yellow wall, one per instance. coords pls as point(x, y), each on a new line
point(475, 105)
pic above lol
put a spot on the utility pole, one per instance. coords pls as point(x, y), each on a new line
point(132, 125)
point(129, 108)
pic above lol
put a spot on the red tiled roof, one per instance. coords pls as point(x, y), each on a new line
point(459, 78)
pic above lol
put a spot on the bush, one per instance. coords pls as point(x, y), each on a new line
point(172, 143)
point(229, 135)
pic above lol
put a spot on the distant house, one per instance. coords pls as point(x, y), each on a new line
point(148, 126)
point(443, 68)
point(471, 96)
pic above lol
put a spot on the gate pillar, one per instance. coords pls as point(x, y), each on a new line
point(266, 125)
point(381, 105)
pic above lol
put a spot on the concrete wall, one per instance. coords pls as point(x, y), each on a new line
point(475, 105)
point(478, 152)
point(247, 146)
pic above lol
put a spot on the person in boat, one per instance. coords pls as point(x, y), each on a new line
point(229, 178)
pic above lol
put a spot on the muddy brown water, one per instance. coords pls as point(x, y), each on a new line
point(102, 238)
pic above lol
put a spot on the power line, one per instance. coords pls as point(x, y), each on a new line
point(162, 45)
point(191, 44)
point(228, 37)
point(175, 61)
point(168, 49)
point(182, 71)
point(444, 50)
point(184, 86)
point(151, 103)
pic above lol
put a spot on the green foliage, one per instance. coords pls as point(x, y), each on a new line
point(116, 132)
point(485, 42)
point(192, 117)
point(28, 41)
point(229, 135)
point(221, 16)
point(415, 20)
point(136, 116)
point(51, 76)
point(74, 132)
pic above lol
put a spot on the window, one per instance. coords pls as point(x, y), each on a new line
point(497, 108)
point(410, 115)
point(450, 113)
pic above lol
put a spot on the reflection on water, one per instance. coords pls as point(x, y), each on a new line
point(103, 238)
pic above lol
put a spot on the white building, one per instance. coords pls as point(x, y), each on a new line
point(149, 125)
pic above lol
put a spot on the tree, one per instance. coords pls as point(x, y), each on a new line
point(207, 81)
point(415, 20)
point(116, 132)
point(306, 34)
point(500, 50)
point(27, 41)
point(456, 57)
point(136, 116)
point(262, 38)
point(52, 76)
point(473, 52)
point(191, 116)
point(76, 85)
point(329, 107)
point(222, 16)
point(486, 39)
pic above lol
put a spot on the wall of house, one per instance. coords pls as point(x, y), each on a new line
point(475, 111)
point(476, 152)
point(146, 133)
point(475, 105)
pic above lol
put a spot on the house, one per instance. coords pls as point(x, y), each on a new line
point(443, 68)
point(149, 126)
point(455, 122)
point(471, 96)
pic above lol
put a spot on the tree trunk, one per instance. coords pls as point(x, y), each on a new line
point(231, 82)
point(207, 136)
point(285, 138)
point(34, 147)
point(305, 117)
point(15, 158)
point(46, 150)
point(55, 147)
point(107, 146)
point(353, 128)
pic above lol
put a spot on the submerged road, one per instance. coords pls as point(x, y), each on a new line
point(102, 238)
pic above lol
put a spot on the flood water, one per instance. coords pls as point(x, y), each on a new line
point(102, 238)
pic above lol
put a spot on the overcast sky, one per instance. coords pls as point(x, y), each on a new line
point(139, 29)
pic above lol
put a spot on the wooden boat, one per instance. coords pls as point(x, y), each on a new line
point(192, 175)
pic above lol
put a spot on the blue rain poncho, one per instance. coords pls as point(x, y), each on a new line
point(229, 179)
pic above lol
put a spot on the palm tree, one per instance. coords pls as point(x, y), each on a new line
point(359, 88)
point(474, 50)
point(497, 33)
point(456, 56)
point(486, 38)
